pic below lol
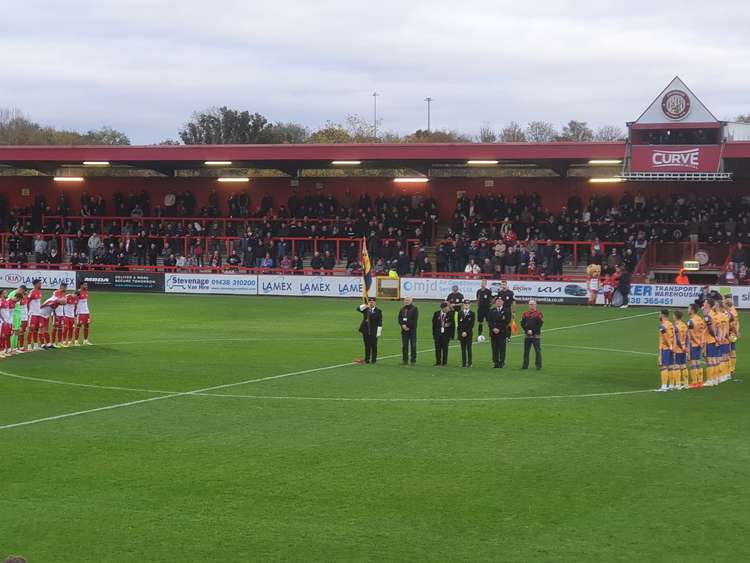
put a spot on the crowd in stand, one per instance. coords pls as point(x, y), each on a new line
point(487, 234)
point(265, 237)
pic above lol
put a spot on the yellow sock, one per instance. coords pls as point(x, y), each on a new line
point(699, 374)
point(676, 376)
point(664, 377)
point(685, 376)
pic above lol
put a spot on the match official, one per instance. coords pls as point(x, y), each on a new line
point(443, 330)
point(498, 323)
point(371, 327)
point(531, 322)
point(455, 298)
point(466, 319)
point(509, 300)
point(484, 302)
point(408, 316)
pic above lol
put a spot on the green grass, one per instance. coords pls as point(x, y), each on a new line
point(275, 474)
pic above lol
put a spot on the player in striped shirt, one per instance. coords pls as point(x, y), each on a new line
point(6, 323)
point(35, 315)
point(59, 315)
point(681, 345)
point(710, 334)
point(666, 351)
point(83, 313)
point(47, 309)
point(69, 314)
point(696, 336)
point(734, 331)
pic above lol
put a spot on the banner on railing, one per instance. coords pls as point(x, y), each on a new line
point(542, 291)
point(122, 281)
point(669, 295)
point(51, 279)
point(223, 284)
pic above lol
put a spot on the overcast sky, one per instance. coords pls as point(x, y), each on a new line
point(143, 66)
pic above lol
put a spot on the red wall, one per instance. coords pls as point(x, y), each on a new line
point(554, 191)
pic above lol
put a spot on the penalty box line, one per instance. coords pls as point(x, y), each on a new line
point(206, 390)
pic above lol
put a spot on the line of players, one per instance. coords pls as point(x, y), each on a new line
point(28, 322)
point(710, 334)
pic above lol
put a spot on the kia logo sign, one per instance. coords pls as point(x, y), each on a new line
point(13, 278)
point(675, 104)
point(687, 158)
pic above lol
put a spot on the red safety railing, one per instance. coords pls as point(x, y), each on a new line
point(202, 248)
point(204, 222)
point(504, 276)
point(574, 247)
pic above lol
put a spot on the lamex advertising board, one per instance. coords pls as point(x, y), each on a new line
point(51, 279)
point(544, 292)
point(223, 284)
point(312, 286)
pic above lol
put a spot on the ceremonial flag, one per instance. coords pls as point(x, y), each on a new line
point(366, 271)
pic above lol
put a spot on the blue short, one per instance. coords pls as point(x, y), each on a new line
point(732, 346)
point(666, 358)
point(723, 349)
point(711, 351)
point(679, 358)
point(695, 353)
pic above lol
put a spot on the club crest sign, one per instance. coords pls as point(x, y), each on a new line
point(675, 104)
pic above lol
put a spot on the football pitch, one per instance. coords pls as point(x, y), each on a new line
point(238, 429)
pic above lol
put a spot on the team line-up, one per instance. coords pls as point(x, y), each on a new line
point(710, 334)
point(31, 323)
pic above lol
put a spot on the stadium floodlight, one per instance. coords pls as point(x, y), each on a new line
point(346, 162)
point(68, 178)
point(218, 163)
point(233, 179)
point(96, 163)
point(411, 180)
point(604, 162)
point(482, 162)
point(612, 180)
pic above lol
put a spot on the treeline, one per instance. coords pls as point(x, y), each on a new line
point(223, 125)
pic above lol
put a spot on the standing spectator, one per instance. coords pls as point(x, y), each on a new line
point(739, 257)
point(623, 286)
point(40, 249)
point(531, 322)
point(95, 246)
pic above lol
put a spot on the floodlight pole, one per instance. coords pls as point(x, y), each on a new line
point(375, 114)
point(429, 101)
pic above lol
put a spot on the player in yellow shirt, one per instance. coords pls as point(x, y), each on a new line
point(680, 372)
point(722, 341)
point(709, 338)
point(696, 335)
point(734, 331)
point(666, 351)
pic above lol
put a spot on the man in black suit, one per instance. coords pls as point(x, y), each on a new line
point(498, 322)
point(466, 320)
point(371, 327)
point(443, 330)
point(407, 320)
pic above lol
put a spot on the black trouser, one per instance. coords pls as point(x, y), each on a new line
point(371, 347)
point(466, 350)
point(498, 348)
point(482, 315)
point(536, 342)
point(441, 349)
point(409, 338)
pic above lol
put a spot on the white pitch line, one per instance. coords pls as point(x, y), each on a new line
point(257, 380)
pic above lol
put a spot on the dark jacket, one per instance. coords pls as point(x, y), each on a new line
point(466, 323)
point(449, 325)
point(498, 318)
point(371, 320)
point(532, 321)
point(408, 315)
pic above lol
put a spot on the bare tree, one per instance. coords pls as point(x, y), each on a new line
point(609, 133)
point(576, 131)
point(512, 133)
point(743, 118)
point(541, 132)
point(487, 134)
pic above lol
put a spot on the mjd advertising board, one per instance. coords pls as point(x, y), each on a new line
point(544, 292)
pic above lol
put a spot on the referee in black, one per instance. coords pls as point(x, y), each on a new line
point(508, 298)
point(408, 316)
point(484, 302)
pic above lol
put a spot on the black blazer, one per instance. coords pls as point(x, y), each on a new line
point(371, 320)
point(498, 318)
point(411, 314)
point(466, 323)
point(449, 324)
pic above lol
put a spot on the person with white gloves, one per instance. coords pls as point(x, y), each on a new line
point(371, 328)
